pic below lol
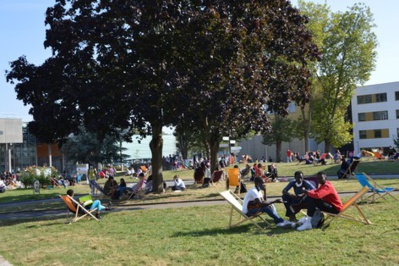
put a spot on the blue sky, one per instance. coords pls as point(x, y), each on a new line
point(23, 32)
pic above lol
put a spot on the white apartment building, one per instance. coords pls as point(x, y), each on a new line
point(375, 114)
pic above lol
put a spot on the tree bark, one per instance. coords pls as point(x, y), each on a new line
point(156, 145)
point(278, 151)
point(214, 148)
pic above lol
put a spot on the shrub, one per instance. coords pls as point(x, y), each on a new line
point(42, 174)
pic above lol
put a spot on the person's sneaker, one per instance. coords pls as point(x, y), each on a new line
point(98, 216)
point(286, 223)
point(306, 226)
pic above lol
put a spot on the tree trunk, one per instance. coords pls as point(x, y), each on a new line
point(156, 145)
point(308, 122)
point(278, 151)
point(327, 145)
point(214, 148)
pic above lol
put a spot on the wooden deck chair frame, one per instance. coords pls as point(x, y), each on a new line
point(144, 169)
point(68, 200)
point(352, 168)
point(199, 176)
point(361, 218)
point(216, 177)
point(236, 204)
point(140, 188)
point(377, 190)
point(99, 188)
point(54, 182)
point(233, 178)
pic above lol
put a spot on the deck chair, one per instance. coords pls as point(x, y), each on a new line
point(54, 182)
point(144, 169)
point(99, 188)
point(79, 210)
point(137, 188)
point(351, 202)
point(378, 156)
point(377, 190)
point(236, 204)
point(314, 180)
point(216, 177)
point(351, 169)
point(233, 178)
point(199, 175)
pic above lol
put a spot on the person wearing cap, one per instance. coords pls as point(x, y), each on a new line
point(255, 201)
point(297, 185)
point(325, 198)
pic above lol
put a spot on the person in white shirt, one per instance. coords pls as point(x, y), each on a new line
point(2, 186)
point(255, 202)
point(178, 184)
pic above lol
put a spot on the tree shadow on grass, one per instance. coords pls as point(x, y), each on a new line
point(245, 228)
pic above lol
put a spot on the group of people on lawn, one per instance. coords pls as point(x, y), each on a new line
point(305, 196)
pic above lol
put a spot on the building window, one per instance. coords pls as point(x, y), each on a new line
point(363, 99)
point(362, 117)
point(382, 115)
point(397, 95)
point(377, 133)
point(381, 97)
point(362, 134)
point(397, 114)
point(397, 132)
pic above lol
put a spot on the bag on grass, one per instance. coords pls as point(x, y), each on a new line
point(243, 187)
point(317, 219)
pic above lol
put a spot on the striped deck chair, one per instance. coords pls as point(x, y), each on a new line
point(76, 208)
point(361, 218)
point(236, 204)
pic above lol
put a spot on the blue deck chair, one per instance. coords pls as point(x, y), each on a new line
point(377, 190)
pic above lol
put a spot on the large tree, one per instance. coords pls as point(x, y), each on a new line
point(348, 43)
point(250, 58)
point(85, 147)
point(140, 65)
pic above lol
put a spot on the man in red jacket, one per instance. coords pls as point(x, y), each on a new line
point(325, 198)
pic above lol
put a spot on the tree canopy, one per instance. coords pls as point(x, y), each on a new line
point(215, 66)
point(348, 43)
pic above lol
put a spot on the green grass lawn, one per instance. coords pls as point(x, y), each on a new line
point(199, 236)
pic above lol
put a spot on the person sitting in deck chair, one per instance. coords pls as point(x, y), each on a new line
point(344, 166)
point(255, 202)
point(111, 188)
point(95, 205)
point(325, 198)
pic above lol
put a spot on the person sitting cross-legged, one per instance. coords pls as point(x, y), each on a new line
point(95, 205)
point(325, 198)
point(255, 202)
point(178, 184)
point(298, 198)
